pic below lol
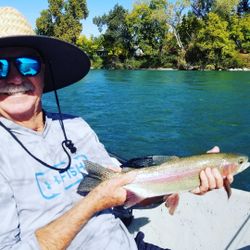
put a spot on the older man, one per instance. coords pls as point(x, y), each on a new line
point(42, 154)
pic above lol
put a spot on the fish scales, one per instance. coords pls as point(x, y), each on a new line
point(172, 176)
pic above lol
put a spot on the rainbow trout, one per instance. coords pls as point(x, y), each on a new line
point(173, 176)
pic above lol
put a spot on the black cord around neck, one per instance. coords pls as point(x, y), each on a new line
point(68, 143)
point(65, 143)
point(61, 170)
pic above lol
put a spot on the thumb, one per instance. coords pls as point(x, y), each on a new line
point(215, 149)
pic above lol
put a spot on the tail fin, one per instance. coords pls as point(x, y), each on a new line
point(96, 174)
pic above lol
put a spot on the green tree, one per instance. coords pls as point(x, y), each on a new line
point(239, 29)
point(62, 19)
point(213, 44)
point(224, 8)
point(116, 38)
point(201, 7)
point(147, 27)
point(245, 28)
point(243, 7)
point(174, 12)
point(189, 28)
point(92, 46)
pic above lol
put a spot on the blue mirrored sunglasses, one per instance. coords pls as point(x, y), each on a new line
point(26, 66)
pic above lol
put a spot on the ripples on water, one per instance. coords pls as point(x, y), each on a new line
point(137, 113)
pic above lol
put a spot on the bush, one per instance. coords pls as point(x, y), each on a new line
point(133, 63)
point(96, 62)
point(245, 59)
point(233, 62)
point(210, 67)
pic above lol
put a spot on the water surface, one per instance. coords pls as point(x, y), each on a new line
point(138, 113)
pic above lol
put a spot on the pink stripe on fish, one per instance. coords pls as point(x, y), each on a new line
point(161, 178)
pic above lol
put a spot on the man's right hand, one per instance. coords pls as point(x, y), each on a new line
point(111, 193)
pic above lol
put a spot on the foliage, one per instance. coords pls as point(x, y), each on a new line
point(245, 60)
point(243, 7)
point(92, 46)
point(116, 38)
point(62, 19)
point(213, 45)
point(183, 34)
point(147, 26)
point(189, 29)
point(174, 17)
point(201, 8)
point(225, 8)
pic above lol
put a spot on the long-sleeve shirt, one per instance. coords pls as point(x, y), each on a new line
point(32, 195)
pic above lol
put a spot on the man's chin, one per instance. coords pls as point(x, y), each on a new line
point(18, 108)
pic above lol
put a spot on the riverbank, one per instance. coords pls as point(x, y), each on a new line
point(174, 69)
point(243, 69)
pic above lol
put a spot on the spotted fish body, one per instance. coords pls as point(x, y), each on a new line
point(174, 175)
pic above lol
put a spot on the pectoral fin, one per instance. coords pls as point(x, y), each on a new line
point(132, 199)
point(227, 187)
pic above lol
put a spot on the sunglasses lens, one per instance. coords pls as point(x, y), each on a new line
point(4, 68)
point(28, 66)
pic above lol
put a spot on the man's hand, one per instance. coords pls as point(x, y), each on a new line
point(107, 194)
point(111, 193)
point(210, 179)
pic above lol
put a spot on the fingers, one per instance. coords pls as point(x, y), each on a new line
point(218, 178)
point(210, 179)
point(215, 149)
point(203, 188)
point(111, 192)
point(230, 178)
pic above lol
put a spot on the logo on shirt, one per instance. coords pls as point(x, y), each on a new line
point(51, 183)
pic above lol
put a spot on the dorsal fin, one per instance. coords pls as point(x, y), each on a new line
point(98, 171)
point(96, 174)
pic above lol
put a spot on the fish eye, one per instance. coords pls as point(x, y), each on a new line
point(241, 161)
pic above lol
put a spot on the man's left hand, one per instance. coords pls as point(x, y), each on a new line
point(210, 179)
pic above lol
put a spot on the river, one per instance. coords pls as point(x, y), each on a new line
point(146, 112)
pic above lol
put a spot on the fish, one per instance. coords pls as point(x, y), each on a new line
point(177, 174)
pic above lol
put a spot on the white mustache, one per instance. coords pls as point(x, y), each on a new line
point(12, 89)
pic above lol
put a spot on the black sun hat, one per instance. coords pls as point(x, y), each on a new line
point(68, 63)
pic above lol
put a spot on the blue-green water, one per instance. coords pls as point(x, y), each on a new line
point(138, 113)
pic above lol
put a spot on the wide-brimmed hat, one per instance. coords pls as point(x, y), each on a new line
point(68, 63)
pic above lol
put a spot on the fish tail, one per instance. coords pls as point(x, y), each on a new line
point(96, 174)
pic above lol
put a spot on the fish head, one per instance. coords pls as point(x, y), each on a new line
point(234, 164)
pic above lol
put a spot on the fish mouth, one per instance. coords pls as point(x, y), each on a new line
point(244, 166)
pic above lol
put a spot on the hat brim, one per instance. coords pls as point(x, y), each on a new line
point(68, 63)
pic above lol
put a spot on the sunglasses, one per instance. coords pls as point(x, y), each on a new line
point(26, 66)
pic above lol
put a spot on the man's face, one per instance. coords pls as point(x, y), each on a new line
point(20, 96)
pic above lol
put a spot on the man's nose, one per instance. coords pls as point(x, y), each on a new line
point(14, 77)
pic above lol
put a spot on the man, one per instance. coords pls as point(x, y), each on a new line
point(42, 154)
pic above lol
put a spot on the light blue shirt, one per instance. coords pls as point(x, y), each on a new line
point(32, 195)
